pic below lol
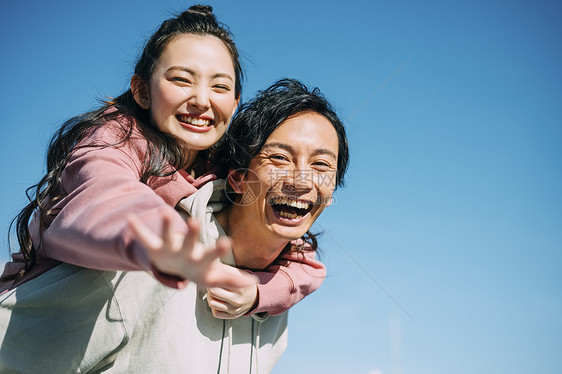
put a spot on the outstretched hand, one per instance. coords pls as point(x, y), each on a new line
point(185, 256)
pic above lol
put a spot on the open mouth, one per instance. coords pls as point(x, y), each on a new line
point(198, 122)
point(290, 208)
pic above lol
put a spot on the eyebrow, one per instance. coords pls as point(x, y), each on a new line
point(192, 72)
point(287, 147)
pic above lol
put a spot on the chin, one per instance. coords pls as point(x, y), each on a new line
point(290, 234)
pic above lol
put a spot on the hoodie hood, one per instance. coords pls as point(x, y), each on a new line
point(246, 343)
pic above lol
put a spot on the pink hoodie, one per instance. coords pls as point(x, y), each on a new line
point(91, 229)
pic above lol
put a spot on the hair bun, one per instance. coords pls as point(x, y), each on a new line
point(204, 10)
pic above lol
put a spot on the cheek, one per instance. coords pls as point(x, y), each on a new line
point(274, 179)
point(326, 183)
point(173, 96)
point(164, 103)
point(325, 193)
point(226, 105)
point(221, 129)
point(164, 97)
point(218, 133)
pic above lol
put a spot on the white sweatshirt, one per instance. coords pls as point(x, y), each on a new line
point(131, 323)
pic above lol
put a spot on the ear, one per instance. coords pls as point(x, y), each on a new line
point(140, 92)
point(330, 201)
point(235, 178)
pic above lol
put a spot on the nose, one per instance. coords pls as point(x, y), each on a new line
point(199, 97)
point(298, 182)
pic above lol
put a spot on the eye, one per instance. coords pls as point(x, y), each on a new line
point(221, 88)
point(180, 80)
point(323, 166)
point(321, 163)
point(279, 158)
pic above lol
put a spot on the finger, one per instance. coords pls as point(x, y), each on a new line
point(218, 305)
point(223, 310)
point(213, 254)
point(228, 277)
point(223, 315)
point(143, 233)
point(209, 258)
point(192, 236)
point(222, 294)
point(223, 245)
point(167, 237)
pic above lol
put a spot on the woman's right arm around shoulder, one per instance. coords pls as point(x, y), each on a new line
point(91, 226)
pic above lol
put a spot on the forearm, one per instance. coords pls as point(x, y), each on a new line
point(91, 228)
point(287, 281)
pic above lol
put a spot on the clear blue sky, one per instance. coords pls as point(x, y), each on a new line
point(444, 250)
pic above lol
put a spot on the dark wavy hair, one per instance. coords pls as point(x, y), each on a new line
point(163, 149)
point(256, 120)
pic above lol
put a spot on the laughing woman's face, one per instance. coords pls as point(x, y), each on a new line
point(192, 90)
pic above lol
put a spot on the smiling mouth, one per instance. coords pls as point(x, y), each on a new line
point(199, 122)
point(290, 208)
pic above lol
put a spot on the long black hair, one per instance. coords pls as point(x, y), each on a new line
point(163, 150)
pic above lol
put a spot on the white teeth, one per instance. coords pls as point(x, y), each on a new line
point(288, 215)
point(292, 203)
point(195, 121)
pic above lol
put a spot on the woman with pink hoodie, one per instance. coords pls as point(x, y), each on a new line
point(139, 154)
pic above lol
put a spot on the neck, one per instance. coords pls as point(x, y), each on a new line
point(253, 248)
point(190, 165)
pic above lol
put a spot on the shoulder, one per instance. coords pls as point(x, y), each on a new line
point(113, 130)
point(118, 136)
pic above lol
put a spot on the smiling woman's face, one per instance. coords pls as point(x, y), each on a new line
point(191, 93)
point(290, 182)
